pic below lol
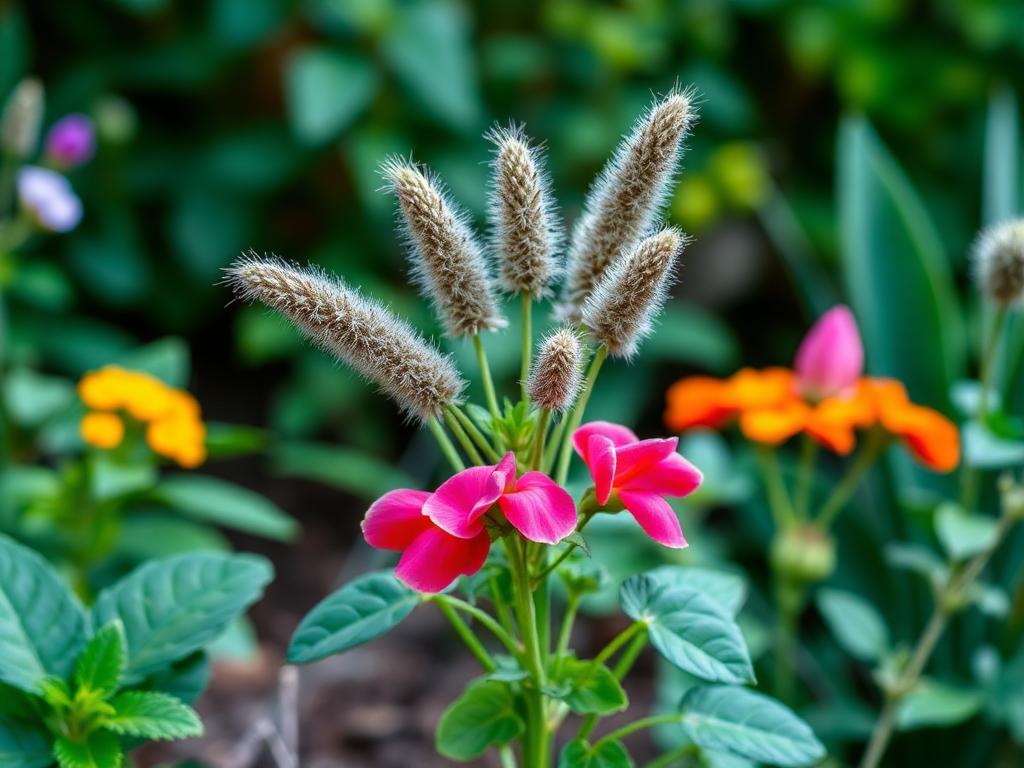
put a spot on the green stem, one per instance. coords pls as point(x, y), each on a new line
point(537, 454)
point(876, 442)
point(778, 497)
point(445, 444)
point(463, 438)
point(478, 436)
point(638, 725)
point(499, 605)
point(617, 642)
point(524, 373)
point(670, 758)
point(508, 757)
point(568, 619)
point(969, 474)
point(629, 656)
point(487, 621)
point(577, 414)
point(587, 514)
point(554, 442)
point(808, 454)
point(463, 631)
point(485, 377)
point(789, 599)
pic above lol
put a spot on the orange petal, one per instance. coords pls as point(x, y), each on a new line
point(751, 389)
point(930, 437)
point(698, 401)
point(774, 425)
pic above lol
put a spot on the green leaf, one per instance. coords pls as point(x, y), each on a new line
point(185, 680)
point(230, 440)
point(213, 500)
point(327, 89)
point(167, 359)
point(484, 715)
point(985, 450)
point(727, 590)
point(100, 750)
point(22, 747)
point(688, 334)
point(914, 557)
point(355, 472)
point(42, 624)
point(587, 689)
point(173, 607)
point(606, 754)
point(153, 716)
point(1002, 184)
point(748, 724)
point(33, 399)
point(100, 666)
point(355, 614)
point(688, 629)
point(936, 705)
point(857, 626)
point(963, 535)
point(150, 536)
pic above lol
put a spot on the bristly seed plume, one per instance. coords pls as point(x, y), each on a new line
point(627, 197)
point(448, 263)
point(557, 372)
point(999, 262)
point(620, 311)
point(525, 229)
point(358, 331)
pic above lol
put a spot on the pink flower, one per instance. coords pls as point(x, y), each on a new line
point(534, 504)
point(831, 358)
point(71, 141)
point(641, 473)
point(431, 559)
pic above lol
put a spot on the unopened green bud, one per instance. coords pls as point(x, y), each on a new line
point(1012, 493)
point(22, 118)
point(804, 554)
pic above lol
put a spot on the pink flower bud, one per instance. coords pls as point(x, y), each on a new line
point(71, 141)
point(831, 358)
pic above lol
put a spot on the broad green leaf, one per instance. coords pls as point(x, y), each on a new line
point(688, 629)
point(483, 716)
point(213, 500)
point(936, 705)
point(355, 472)
point(857, 626)
point(185, 680)
point(21, 746)
point(32, 399)
point(355, 614)
point(607, 754)
point(962, 534)
point(167, 359)
point(153, 716)
point(326, 90)
point(748, 724)
point(587, 689)
point(914, 557)
point(727, 590)
point(985, 450)
point(42, 625)
point(173, 607)
point(112, 479)
point(100, 666)
point(150, 536)
point(100, 750)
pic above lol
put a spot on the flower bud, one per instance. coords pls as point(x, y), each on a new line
point(803, 554)
point(999, 262)
point(71, 141)
point(557, 371)
point(22, 116)
point(830, 359)
point(48, 199)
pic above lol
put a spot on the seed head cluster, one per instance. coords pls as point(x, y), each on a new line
point(557, 372)
point(999, 262)
point(361, 333)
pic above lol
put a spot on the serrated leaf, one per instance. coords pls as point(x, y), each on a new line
point(588, 689)
point(173, 607)
point(55, 692)
point(355, 614)
point(100, 750)
point(856, 625)
point(100, 666)
point(728, 590)
point(748, 724)
point(963, 535)
point(577, 539)
point(605, 754)
point(153, 716)
point(484, 715)
point(936, 705)
point(23, 747)
point(42, 624)
point(217, 501)
point(688, 629)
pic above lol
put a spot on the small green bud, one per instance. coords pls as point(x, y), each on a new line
point(22, 118)
point(804, 554)
point(1012, 496)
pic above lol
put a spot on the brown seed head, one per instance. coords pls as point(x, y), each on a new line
point(999, 262)
point(557, 372)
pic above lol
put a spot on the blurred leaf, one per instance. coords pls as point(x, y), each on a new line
point(32, 399)
point(22, 746)
point(111, 262)
point(606, 754)
point(430, 50)
point(253, 159)
point(230, 440)
point(963, 534)
point(1001, 185)
point(242, 22)
point(687, 334)
point(184, 680)
point(727, 590)
point(855, 623)
point(326, 91)
point(350, 470)
point(586, 688)
point(485, 714)
point(207, 227)
point(238, 643)
point(111, 479)
point(725, 482)
point(148, 536)
point(990, 599)
point(936, 705)
point(167, 359)
point(15, 45)
point(985, 450)
point(76, 345)
point(917, 558)
point(44, 285)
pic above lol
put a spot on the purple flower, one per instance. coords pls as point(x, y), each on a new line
point(48, 199)
point(71, 141)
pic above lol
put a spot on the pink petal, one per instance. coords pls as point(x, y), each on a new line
point(616, 433)
point(672, 476)
point(638, 458)
point(539, 509)
point(462, 499)
point(601, 461)
point(435, 559)
point(655, 516)
point(505, 470)
point(830, 359)
point(395, 519)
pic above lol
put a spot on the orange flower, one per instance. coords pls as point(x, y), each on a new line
point(102, 430)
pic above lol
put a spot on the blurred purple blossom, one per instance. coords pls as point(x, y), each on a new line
point(71, 141)
point(48, 198)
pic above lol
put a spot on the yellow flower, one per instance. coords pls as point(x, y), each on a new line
point(179, 438)
point(105, 389)
point(102, 430)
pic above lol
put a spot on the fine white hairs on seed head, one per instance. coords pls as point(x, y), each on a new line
point(628, 195)
point(621, 309)
point(524, 224)
point(448, 263)
point(557, 371)
point(998, 257)
point(359, 332)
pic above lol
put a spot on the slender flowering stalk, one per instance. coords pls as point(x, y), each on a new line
point(627, 196)
point(621, 308)
point(358, 331)
point(448, 263)
point(557, 374)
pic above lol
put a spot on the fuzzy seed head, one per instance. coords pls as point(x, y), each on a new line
point(620, 311)
point(448, 263)
point(627, 197)
point(525, 230)
point(359, 332)
point(999, 262)
point(22, 117)
point(557, 371)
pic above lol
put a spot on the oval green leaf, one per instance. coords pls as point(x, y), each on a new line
point(857, 626)
point(484, 715)
point(605, 754)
